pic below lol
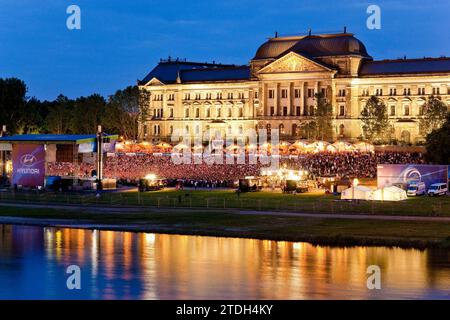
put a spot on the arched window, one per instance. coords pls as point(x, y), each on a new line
point(268, 128)
point(281, 128)
point(241, 129)
point(208, 112)
point(311, 110)
point(186, 130)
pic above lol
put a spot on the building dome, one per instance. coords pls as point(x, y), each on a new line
point(274, 47)
point(313, 46)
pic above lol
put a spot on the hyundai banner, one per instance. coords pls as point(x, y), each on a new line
point(404, 174)
point(28, 165)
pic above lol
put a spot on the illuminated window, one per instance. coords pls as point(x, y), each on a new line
point(392, 110)
point(341, 110)
point(406, 110)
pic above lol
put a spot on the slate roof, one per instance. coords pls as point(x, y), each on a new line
point(168, 71)
point(216, 74)
point(404, 66)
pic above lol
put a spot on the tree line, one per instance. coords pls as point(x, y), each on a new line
point(119, 113)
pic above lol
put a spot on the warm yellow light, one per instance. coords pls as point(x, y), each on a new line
point(150, 238)
point(355, 182)
point(150, 176)
point(9, 167)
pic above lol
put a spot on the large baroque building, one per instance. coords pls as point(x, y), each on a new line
point(277, 89)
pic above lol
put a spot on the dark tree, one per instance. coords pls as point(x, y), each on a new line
point(88, 113)
point(12, 104)
point(323, 116)
point(123, 113)
point(375, 121)
point(438, 144)
point(433, 115)
point(59, 115)
point(34, 116)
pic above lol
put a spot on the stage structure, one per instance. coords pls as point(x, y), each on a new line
point(31, 154)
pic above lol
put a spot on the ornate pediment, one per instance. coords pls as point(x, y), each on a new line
point(293, 62)
point(154, 82)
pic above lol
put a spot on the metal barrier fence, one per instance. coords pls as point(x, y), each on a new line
point(231, 201)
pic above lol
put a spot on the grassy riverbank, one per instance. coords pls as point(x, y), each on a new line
point(325, 231)
point(228, 199)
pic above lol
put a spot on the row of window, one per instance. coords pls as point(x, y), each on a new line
point(297, 93)
point(158, 113)
point(296, 130)
point(406, 91)
point(307, 111)
point(208, 113)
point(218, 96)
point(284, 112)
point(392, 109)
point(200, 96)
point(188, 128)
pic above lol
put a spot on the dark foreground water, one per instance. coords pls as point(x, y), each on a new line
point(123, 265)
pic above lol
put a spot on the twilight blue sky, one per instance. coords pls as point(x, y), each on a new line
point(120, 41)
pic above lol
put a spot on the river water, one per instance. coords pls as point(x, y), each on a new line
point(124, 265)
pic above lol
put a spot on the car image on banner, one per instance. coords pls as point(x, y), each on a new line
point(28, 165)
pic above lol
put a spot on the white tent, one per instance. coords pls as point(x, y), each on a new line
point(317, 146)
point(389, 194)
point(343, 146)
point(358, 192)
point(364, 147)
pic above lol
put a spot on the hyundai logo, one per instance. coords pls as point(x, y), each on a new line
point(28, 160)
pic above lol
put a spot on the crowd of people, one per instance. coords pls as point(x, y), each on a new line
point(130, 168)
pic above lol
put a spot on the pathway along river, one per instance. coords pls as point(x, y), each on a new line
point(124, 265)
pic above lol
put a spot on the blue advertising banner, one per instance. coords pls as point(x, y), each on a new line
point(28, 165)
point(389, 174)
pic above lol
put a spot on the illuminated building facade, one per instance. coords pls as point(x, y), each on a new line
point(277, 88)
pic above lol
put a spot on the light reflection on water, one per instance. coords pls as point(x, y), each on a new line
point(124, 265)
